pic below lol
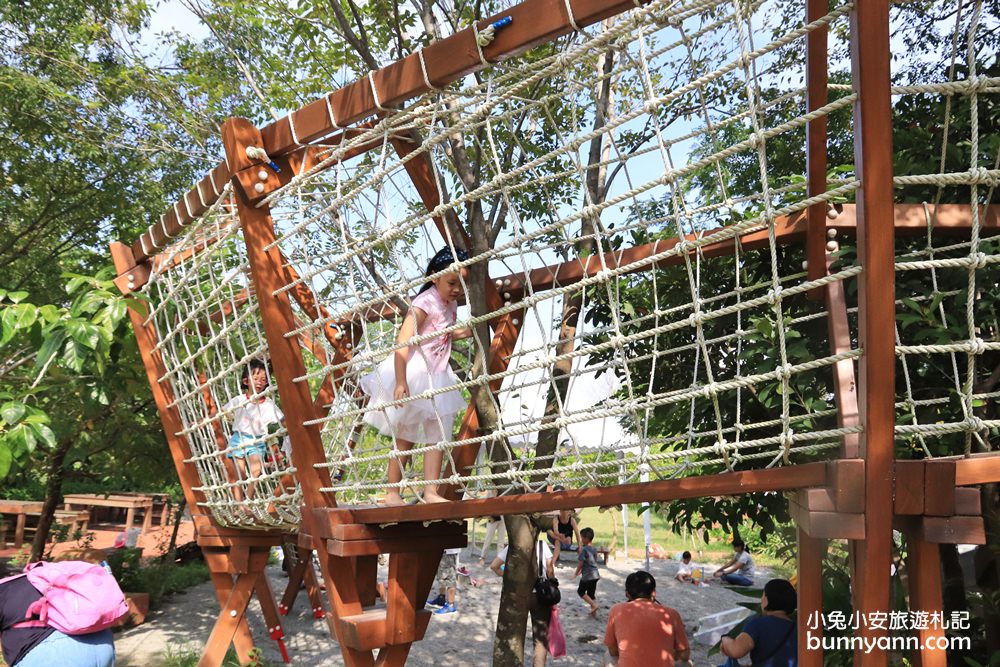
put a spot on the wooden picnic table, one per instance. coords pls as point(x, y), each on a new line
point(161, 503)
point(127, 502)
point(21, 509)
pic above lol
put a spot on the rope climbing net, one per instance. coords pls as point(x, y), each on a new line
point(947, 331)
point(202, 305)
point(610, 154)
point(632, 205)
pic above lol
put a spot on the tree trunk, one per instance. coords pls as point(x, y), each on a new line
point(53, 491)
point(515, 596)
point(572, 303)
point(177, 525)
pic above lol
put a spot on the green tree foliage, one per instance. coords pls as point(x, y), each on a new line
point(89, 145)
point(95, 142)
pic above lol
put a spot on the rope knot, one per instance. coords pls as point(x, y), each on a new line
point(979, 260)
point(644, 468)
point(720, 447)
point(977, 84)
point(787, 438)
point(976, 424)
point(774, 296)
point(694, 319)
point(785, 371)
point(669, 176)
point(980, 176)
point(977, 346)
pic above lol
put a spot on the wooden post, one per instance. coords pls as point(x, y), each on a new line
point(810, 596)
point(266, 268)
point(844, 381)
point(924, 581)
point(876, 295)
point(146, 340)
point(816, 98)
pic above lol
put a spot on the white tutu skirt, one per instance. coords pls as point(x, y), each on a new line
point(423, 420)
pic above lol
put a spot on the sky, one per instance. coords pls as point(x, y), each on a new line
point(172, 15)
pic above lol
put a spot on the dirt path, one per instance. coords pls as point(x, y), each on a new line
point(183, 624)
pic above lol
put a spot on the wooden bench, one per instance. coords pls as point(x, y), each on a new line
point(127, 502)
point(161, 503)
point(570, 554)
point(22, 509)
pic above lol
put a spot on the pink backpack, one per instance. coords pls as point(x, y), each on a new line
point(78, 598)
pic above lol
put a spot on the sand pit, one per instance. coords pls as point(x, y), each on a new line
point(184, 623)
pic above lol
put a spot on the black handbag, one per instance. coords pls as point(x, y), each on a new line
point(546, 588)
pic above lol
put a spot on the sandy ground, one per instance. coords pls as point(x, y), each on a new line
point(184, 623)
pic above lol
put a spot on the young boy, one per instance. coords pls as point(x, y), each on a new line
point(447, 577)
point(685, 568)
point(587, 565)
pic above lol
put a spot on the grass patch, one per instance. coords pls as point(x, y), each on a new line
point(608, 529)
point(190, 658)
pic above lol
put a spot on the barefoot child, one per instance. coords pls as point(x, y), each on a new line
point(253, 415)
point(418, 368)
point(587, 565)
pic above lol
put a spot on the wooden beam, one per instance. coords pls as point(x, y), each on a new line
point(722, 484)
point(870, 54)
point(809, 561)
point(924, 582)
point(817, 95)
point(845, 389)
point(393, 545)
point(944, 529)
point(190, 207)
point(909, 485)
point(267, 271)
point(826, 525)
point(847, 477)
point(163, 394)
point(977, 469)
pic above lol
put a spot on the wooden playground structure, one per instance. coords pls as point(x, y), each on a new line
point(932, 501)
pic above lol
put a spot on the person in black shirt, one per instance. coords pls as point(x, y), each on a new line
point(44, 646)
point(15, 597)
point(769, 638)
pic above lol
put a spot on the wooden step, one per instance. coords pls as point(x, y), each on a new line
point(367, 631)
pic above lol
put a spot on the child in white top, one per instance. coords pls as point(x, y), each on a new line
point(418, 368)
point(252, 415)
point(685, 568)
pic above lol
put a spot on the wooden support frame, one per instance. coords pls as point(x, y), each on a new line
point(238, 573)
point(827, 509)
point(870, 54)
point(817, 96)
point(924, 581)
point(809, 564)
point(302, 573)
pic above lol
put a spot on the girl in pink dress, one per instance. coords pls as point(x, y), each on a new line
point(416, 369)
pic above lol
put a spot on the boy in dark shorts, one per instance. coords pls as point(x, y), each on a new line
point(587, 566)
